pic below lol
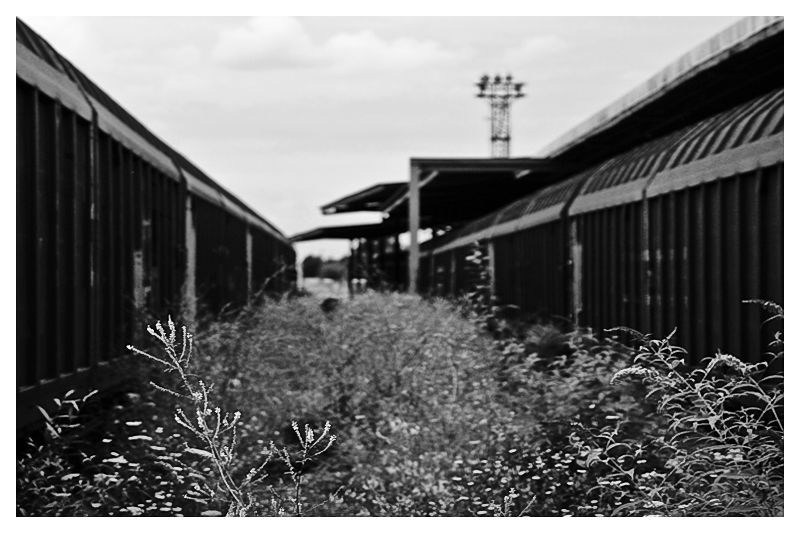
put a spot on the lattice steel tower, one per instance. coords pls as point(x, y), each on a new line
point(500, 91)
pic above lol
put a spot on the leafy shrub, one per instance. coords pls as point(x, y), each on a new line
point(419, 397)
point(403, 380)
point(531, 468)
point(719, 448)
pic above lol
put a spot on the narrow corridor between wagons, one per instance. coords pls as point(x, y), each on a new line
point(596, 330)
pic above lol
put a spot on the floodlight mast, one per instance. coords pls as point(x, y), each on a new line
point(500, 91)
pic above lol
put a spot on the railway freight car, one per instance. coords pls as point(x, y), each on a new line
point(114, 225)
point(663, 210)
point(675, 232)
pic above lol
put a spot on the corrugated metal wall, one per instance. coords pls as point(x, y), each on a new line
point(712, 246)
point(535, 258)
point(221, 257)
point(101, 231)
point(611, 287)
point(52, 236)
point(673, 233)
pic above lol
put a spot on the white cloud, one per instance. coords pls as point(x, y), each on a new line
point(534, 48)
point(265, 42)
point(282, 42)
point(71, 34)
point(365, 50)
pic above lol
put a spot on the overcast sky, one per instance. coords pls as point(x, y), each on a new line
point(291, 113)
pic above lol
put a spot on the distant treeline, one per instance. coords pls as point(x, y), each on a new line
point(317, 267)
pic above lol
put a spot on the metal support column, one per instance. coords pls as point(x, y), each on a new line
point(413, 227)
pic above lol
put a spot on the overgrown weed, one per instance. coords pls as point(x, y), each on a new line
point(433, 417)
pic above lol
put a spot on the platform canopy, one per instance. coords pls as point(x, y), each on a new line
point(455, 190)
point(369, 199)
point(358, 231)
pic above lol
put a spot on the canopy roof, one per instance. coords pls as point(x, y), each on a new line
point(455, 190)
point(358, 231)
point(369, 199)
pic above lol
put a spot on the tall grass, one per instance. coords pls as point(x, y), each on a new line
point(433, 417)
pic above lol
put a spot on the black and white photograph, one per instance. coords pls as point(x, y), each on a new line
point(399, 266)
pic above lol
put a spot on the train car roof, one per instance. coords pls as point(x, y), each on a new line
point(739, 63)
point(39, 46)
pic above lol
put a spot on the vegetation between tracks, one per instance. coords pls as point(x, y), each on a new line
point(432, 415)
